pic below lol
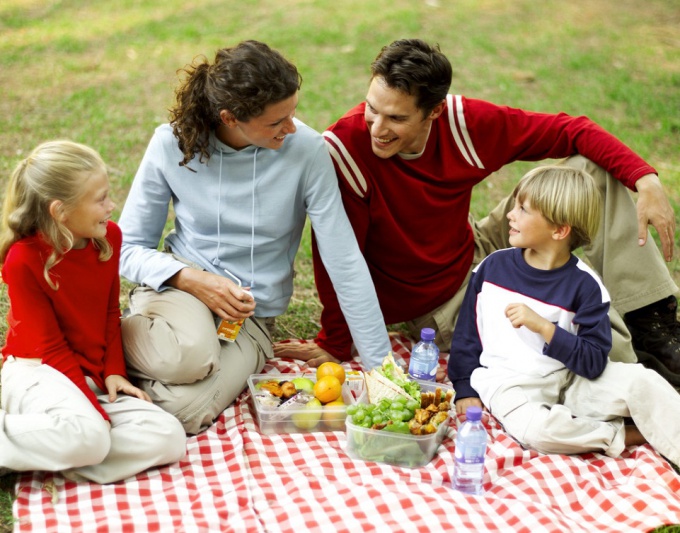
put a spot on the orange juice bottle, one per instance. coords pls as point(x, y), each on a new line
point(228, 329)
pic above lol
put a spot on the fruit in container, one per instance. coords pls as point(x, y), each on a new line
point(331, 369)
point(308, 416)
point(288, 389)
point(333, 415)
point(304, 384)
point(327, 389)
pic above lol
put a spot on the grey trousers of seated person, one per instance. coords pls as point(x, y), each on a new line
point(173, 352)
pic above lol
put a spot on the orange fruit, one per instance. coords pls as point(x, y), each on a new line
point(327, 389)
point(331, 369)
point(333, 414)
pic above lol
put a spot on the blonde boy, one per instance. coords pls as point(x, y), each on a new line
point(533, 337)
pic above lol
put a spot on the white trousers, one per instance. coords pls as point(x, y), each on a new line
point(47, 423)
point(566, 413)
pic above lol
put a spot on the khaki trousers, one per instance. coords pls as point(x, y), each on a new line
point(47, 423)
point(172, 349)
point(566, 413)
point(635, 276)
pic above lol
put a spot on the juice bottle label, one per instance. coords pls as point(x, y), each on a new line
point(228, 330)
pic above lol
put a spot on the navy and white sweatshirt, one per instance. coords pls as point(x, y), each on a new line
point(487, 350)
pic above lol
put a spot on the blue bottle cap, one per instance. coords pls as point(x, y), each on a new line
point(427, 334)
point(473, 413)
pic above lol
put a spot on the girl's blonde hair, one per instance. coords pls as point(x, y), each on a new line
point(565, 196)
point(55, 170)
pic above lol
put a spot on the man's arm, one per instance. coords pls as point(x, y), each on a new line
point(501, 134)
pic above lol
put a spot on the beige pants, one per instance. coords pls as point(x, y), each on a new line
point(634, 276)
point(47, 423)
point(566, 413)
point(173, 351)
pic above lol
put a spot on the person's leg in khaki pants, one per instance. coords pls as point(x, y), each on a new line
point(173, 351)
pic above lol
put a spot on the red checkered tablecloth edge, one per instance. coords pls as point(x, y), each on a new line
point(236, 479)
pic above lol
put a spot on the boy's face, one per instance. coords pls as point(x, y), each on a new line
point(529, 228)
point(394, 122)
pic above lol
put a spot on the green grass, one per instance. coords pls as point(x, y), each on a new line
point(103, 73)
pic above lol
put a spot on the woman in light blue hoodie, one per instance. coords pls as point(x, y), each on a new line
point(241, 174)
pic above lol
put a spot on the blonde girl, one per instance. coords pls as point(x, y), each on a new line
point(67, 404)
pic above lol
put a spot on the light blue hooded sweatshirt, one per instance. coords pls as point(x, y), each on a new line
point(244, 211)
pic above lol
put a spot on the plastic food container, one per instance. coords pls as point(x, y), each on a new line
point(272, 420)
point(396, 448)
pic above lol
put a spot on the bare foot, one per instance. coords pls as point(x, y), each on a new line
point(304, 351)
point(633, 436)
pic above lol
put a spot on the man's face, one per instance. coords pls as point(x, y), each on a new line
point(395, 123)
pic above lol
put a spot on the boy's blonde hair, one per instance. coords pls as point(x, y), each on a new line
point(565, 196)
point(55, 170)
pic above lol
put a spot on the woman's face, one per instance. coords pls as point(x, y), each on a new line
point(269, 130)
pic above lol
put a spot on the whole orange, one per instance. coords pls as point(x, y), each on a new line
point(331, 369)
point(333, 414)
point(327, 389)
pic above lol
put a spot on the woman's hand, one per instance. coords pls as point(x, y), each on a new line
point(222, 296)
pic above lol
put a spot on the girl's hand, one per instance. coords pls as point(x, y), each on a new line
point(115, 384)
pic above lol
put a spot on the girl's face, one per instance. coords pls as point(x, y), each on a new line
point(266, 131)
point(89, 217)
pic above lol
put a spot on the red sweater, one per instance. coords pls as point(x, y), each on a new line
point(75, 329)
point(410, 216)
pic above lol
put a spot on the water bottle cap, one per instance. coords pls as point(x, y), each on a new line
point(427, 334)
point(473, 413)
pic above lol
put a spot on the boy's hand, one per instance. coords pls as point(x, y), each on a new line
point(464, 403)
point(522, 315)
point(115, 384)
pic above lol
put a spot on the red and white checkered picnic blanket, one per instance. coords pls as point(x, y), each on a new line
point(235, 479)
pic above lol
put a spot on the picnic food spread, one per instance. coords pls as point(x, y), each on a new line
point(397, 404)
point(398, 421)
point(388, 416)
point(286, 404)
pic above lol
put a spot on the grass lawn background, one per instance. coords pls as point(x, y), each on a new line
point(103, 73)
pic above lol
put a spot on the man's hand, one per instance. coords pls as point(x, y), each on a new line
point(115, 384)
point(222, 296)
point(304, 351)
point(654, 208)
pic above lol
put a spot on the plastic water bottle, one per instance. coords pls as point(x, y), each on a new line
point(468, 471)
point(424, 357)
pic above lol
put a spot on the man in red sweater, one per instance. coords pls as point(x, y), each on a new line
point(407, 159)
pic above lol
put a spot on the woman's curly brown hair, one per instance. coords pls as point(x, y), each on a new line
point(243, 80)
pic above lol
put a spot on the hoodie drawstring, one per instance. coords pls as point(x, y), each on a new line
point(216, 261)
point(252, 223)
